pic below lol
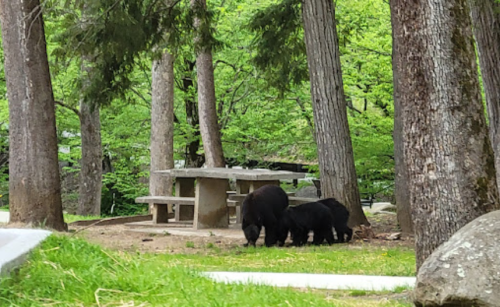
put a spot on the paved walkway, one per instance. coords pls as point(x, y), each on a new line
point(317, 281)
point(4, 217)
point(15, 244)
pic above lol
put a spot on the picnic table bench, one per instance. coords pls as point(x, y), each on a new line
point(201, 193)
point(367, 202)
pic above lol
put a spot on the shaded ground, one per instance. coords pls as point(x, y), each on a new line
point(166, 240)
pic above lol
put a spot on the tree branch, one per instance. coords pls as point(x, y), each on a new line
point(350, 106)
point(304, 113)
point(141, 96)
point(376, 51)
point(68, 107)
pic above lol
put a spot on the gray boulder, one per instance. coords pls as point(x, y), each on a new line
point(307, 191)
point(465, 271)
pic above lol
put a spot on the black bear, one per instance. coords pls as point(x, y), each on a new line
point(340, 218)
point(263, 208)
point(301, 219)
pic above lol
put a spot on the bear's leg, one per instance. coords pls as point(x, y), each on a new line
point(349, 234)
point(318, 236)
point(271, 235)
point(297, 237)
point(328, 234)
point(340, 234)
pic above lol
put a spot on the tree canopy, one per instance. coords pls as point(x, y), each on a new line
point(262, 87)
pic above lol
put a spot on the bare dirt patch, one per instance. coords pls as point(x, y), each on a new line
point(124, 238)
point(119, 237)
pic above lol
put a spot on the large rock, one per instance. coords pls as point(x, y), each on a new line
point(465, 271)
point(307, 191)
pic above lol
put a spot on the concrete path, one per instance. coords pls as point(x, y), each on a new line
point(4, 217)
point(15, 244)
point(317, 281)
point(380, 207)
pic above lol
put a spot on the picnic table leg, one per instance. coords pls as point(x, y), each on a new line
point(184, 187)
point(242, 186)
point(160, 213)
point(210, 209)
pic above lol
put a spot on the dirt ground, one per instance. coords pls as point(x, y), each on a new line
point(166, 240)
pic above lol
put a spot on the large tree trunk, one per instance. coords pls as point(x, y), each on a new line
point(486, 24)
point(401, 176)
point(34, 183)
point(207, 108)
point(335, 154)
point(446, 146)
point(162, 124)
point(89, 198)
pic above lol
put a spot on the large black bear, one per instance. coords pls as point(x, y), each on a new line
point(263, 208)
point(301, 219)
point(340, 218)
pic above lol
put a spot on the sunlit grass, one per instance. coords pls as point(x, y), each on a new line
point(337, 259)
point(68, 271)
point(70, 218)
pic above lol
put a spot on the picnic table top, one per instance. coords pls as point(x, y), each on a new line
point(231, 173)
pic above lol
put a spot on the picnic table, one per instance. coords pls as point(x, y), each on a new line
point(201, 193)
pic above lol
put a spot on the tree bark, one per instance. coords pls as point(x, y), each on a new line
point(89, 198)
point(448, 155)
point(335, 153)
point(402, 193)
point(90, 189)
point(162, 124)
point(34, 183)
point(193, 159)
point(486, 25)
point(207, 108)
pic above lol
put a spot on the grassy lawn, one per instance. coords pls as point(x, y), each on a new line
point(338, 259)
point(68, 218)
point(68, 271)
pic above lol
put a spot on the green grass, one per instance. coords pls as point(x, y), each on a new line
point(338, 259)
point(70, 218)
point(68, 271)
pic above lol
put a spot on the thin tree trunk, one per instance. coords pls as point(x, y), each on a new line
point(207, 108)
point(162, 124)
point(193, 159)
point(89, 198)
point(90, 189)
point(401, 176)
point(486, 25)
point(451, 173)
point(335, 154)
point(34, 183)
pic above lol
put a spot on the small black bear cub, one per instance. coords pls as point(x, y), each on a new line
point(299, 220)
point(340, 218)
point(263, 208)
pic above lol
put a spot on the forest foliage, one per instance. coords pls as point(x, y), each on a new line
point(261, 80)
